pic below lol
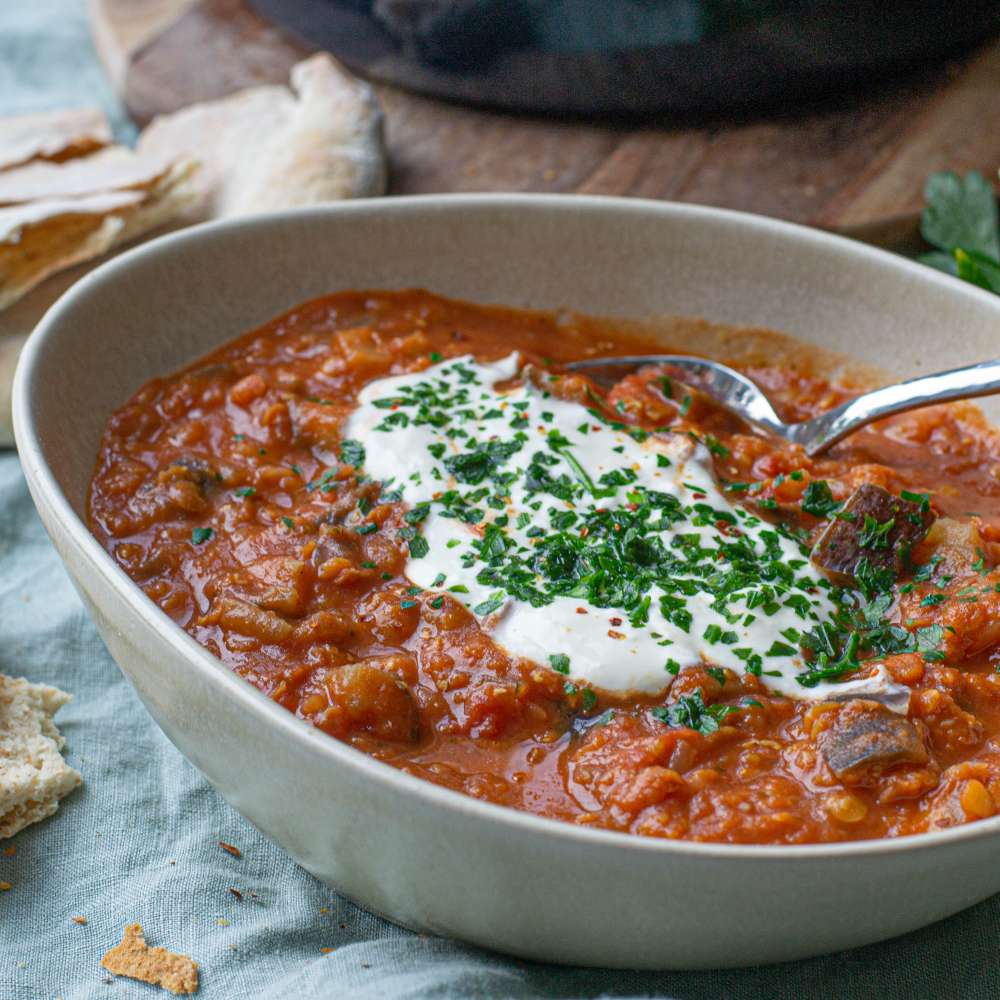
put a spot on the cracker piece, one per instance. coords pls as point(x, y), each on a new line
point(270, 147)
point(33, 774)
point(135, 959)
point(52, 135)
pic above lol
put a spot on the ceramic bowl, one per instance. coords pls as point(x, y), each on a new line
point(421, 855)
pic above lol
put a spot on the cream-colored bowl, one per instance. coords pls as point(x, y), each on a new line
point(421, 855)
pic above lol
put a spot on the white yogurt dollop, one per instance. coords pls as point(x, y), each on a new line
point(514, 496)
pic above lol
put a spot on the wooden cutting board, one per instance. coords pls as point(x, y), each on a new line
point(856, 164)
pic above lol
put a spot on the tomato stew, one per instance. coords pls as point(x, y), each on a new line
point(229, 494)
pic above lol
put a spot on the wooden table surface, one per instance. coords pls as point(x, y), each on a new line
point(855, 163)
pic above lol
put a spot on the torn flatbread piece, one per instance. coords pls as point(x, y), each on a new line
point(134, 958)
point(39, 239)
point(54, 136)
point(270, 147)
point(33, 775)
point(116, 168)
point(42, 237)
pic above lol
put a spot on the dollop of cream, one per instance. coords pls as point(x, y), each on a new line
point(422, 432)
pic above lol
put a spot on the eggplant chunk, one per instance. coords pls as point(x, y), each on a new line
point(867, 736)
point(873, 527)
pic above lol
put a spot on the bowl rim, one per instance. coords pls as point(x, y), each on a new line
point(307, 736)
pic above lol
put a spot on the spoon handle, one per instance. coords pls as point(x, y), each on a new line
point(822, 432)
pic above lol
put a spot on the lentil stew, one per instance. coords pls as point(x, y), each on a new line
point(396, 516)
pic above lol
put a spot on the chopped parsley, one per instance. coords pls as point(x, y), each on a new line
point(818, 500)
point(352, 453)
point(691, 712)
point(559, 662)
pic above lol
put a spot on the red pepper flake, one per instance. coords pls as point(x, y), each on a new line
point(581, 611)
point(615, 621)
point(612, 634)
point(236, 893)
point(234, 851)
point(584, 531)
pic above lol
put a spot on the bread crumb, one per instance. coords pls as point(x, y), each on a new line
point(135, 959)
point(10, 850)
point(327, 951)
point(222, 922)
point(324, 909)
point(4, 886)
point(79, 920)
point(236, 893)
point(234, 851)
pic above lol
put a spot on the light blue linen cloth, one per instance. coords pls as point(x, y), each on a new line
point(139, 841)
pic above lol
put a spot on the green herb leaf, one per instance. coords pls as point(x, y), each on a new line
point(352, 452)
point(875, 535)
point(199, 535)
point(818, 500)
point(961, 213)
point(559, 663)
point(691, 712)
point(490, 605)
point(978, 269)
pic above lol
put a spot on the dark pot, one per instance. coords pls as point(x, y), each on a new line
point(633, 56)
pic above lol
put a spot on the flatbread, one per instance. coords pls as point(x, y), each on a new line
point(39, 238)
point(52, 135)
point(33, 774)
point(134, 958)
point(270, 147)
point(116, 168)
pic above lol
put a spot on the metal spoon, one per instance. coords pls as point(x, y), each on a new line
point(740, 396)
